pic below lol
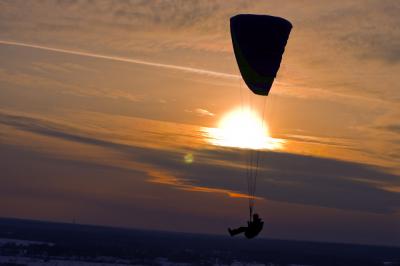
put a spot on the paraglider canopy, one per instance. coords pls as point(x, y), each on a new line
point(259, 42)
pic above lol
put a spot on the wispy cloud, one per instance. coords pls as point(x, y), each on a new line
point(49, 81)
point(204, 112)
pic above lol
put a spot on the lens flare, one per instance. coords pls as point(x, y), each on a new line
point(188, 158)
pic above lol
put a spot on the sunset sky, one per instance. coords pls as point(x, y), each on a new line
point(106, 109)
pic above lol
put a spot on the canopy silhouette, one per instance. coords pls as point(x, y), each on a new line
point(259, 42)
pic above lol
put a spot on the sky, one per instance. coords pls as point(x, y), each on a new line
point(107, 110)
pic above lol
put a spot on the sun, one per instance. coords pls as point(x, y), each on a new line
point(242, 128)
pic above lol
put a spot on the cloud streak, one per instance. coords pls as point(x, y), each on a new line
point(124, 59)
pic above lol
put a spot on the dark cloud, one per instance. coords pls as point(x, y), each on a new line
point(47, 128)
point(394, 128)
point(62, 189)
point(307, 180)
point(283, 177)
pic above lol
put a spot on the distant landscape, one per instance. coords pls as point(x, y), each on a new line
point(28, 242)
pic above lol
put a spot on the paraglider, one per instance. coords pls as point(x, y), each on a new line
point(253, 228)
point(258, 42)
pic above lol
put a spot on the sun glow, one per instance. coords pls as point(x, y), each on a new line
point(242, 128)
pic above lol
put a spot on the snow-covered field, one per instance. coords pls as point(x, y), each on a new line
point(19, 242)
point(21, 260)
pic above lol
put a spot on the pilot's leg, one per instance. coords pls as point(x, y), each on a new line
point(237, 231)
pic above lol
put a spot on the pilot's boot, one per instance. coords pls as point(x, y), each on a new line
point(237, 231)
